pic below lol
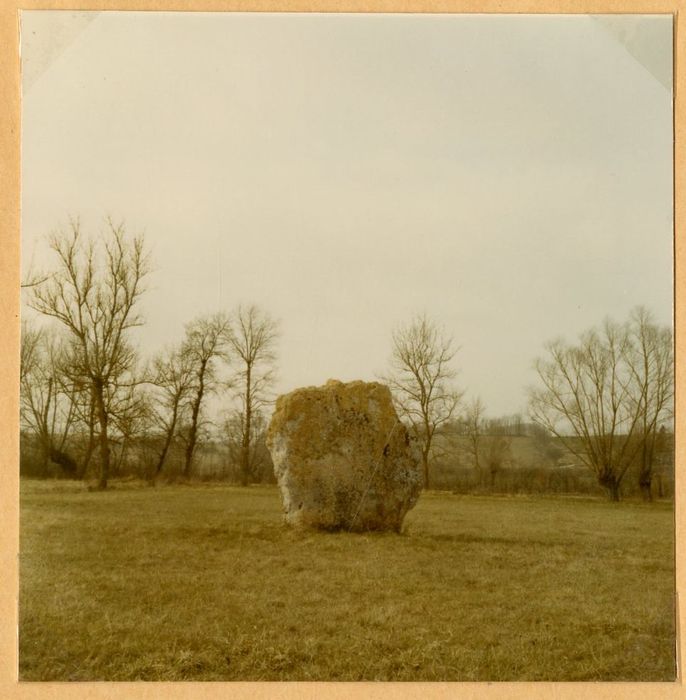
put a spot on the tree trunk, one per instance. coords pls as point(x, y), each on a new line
point(245, 446)
point(167, 443)
point(428, 436)
point(645, 477)
point(425, 465)
point(609, 481)
point(477, 463)
point(645, 483)
point(83, 467)
point(612, 487)
point(123, 446)
point(193, 432)
point(44, 458)
point(104, 439)
point(85, 463)
point(65, 461)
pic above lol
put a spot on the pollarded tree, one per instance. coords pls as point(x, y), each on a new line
point(584, 400)
point(422, 381)
point(94, 292)
point(252, 340)
point(650, 361)
point(205, 345)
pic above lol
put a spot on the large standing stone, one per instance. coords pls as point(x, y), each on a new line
point(342, 458)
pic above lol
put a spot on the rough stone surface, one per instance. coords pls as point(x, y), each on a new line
point(342, 458)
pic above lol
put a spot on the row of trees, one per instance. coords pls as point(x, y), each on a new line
point(607, 399)
point(243, 346)
point(85, 390)
point(84, 386)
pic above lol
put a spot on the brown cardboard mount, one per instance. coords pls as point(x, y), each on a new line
point(9, 366)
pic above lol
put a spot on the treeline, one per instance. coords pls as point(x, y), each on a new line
point(92, 407)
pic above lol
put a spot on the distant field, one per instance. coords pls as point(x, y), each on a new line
point(205, 583)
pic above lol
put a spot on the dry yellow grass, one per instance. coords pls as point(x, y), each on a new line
point(205, 583)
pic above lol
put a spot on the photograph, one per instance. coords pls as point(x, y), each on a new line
point(347, 347)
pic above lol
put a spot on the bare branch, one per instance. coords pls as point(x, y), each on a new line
point(421, 380)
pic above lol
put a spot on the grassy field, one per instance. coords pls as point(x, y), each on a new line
point(205, 583)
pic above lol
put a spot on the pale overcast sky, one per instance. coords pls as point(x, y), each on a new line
point(509, 175)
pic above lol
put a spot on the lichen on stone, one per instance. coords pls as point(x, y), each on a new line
point(342, 458)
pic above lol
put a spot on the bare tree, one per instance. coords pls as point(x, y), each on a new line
point(421, 380)
point(127, 406)
point(259, 458)
point(473, 426)
point(252, 339)
point(205, 344)
point(47, 403)
point(584, 401)
point(650, 360)
point(33, 279)
point(94, 292)
point(172, 374)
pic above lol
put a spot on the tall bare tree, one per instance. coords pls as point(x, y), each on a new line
point(93, 292)
point(172, 374)
point(252, 339)
point(585, 402)
point(204, 347)
point(650, 360)
point(421, 379)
